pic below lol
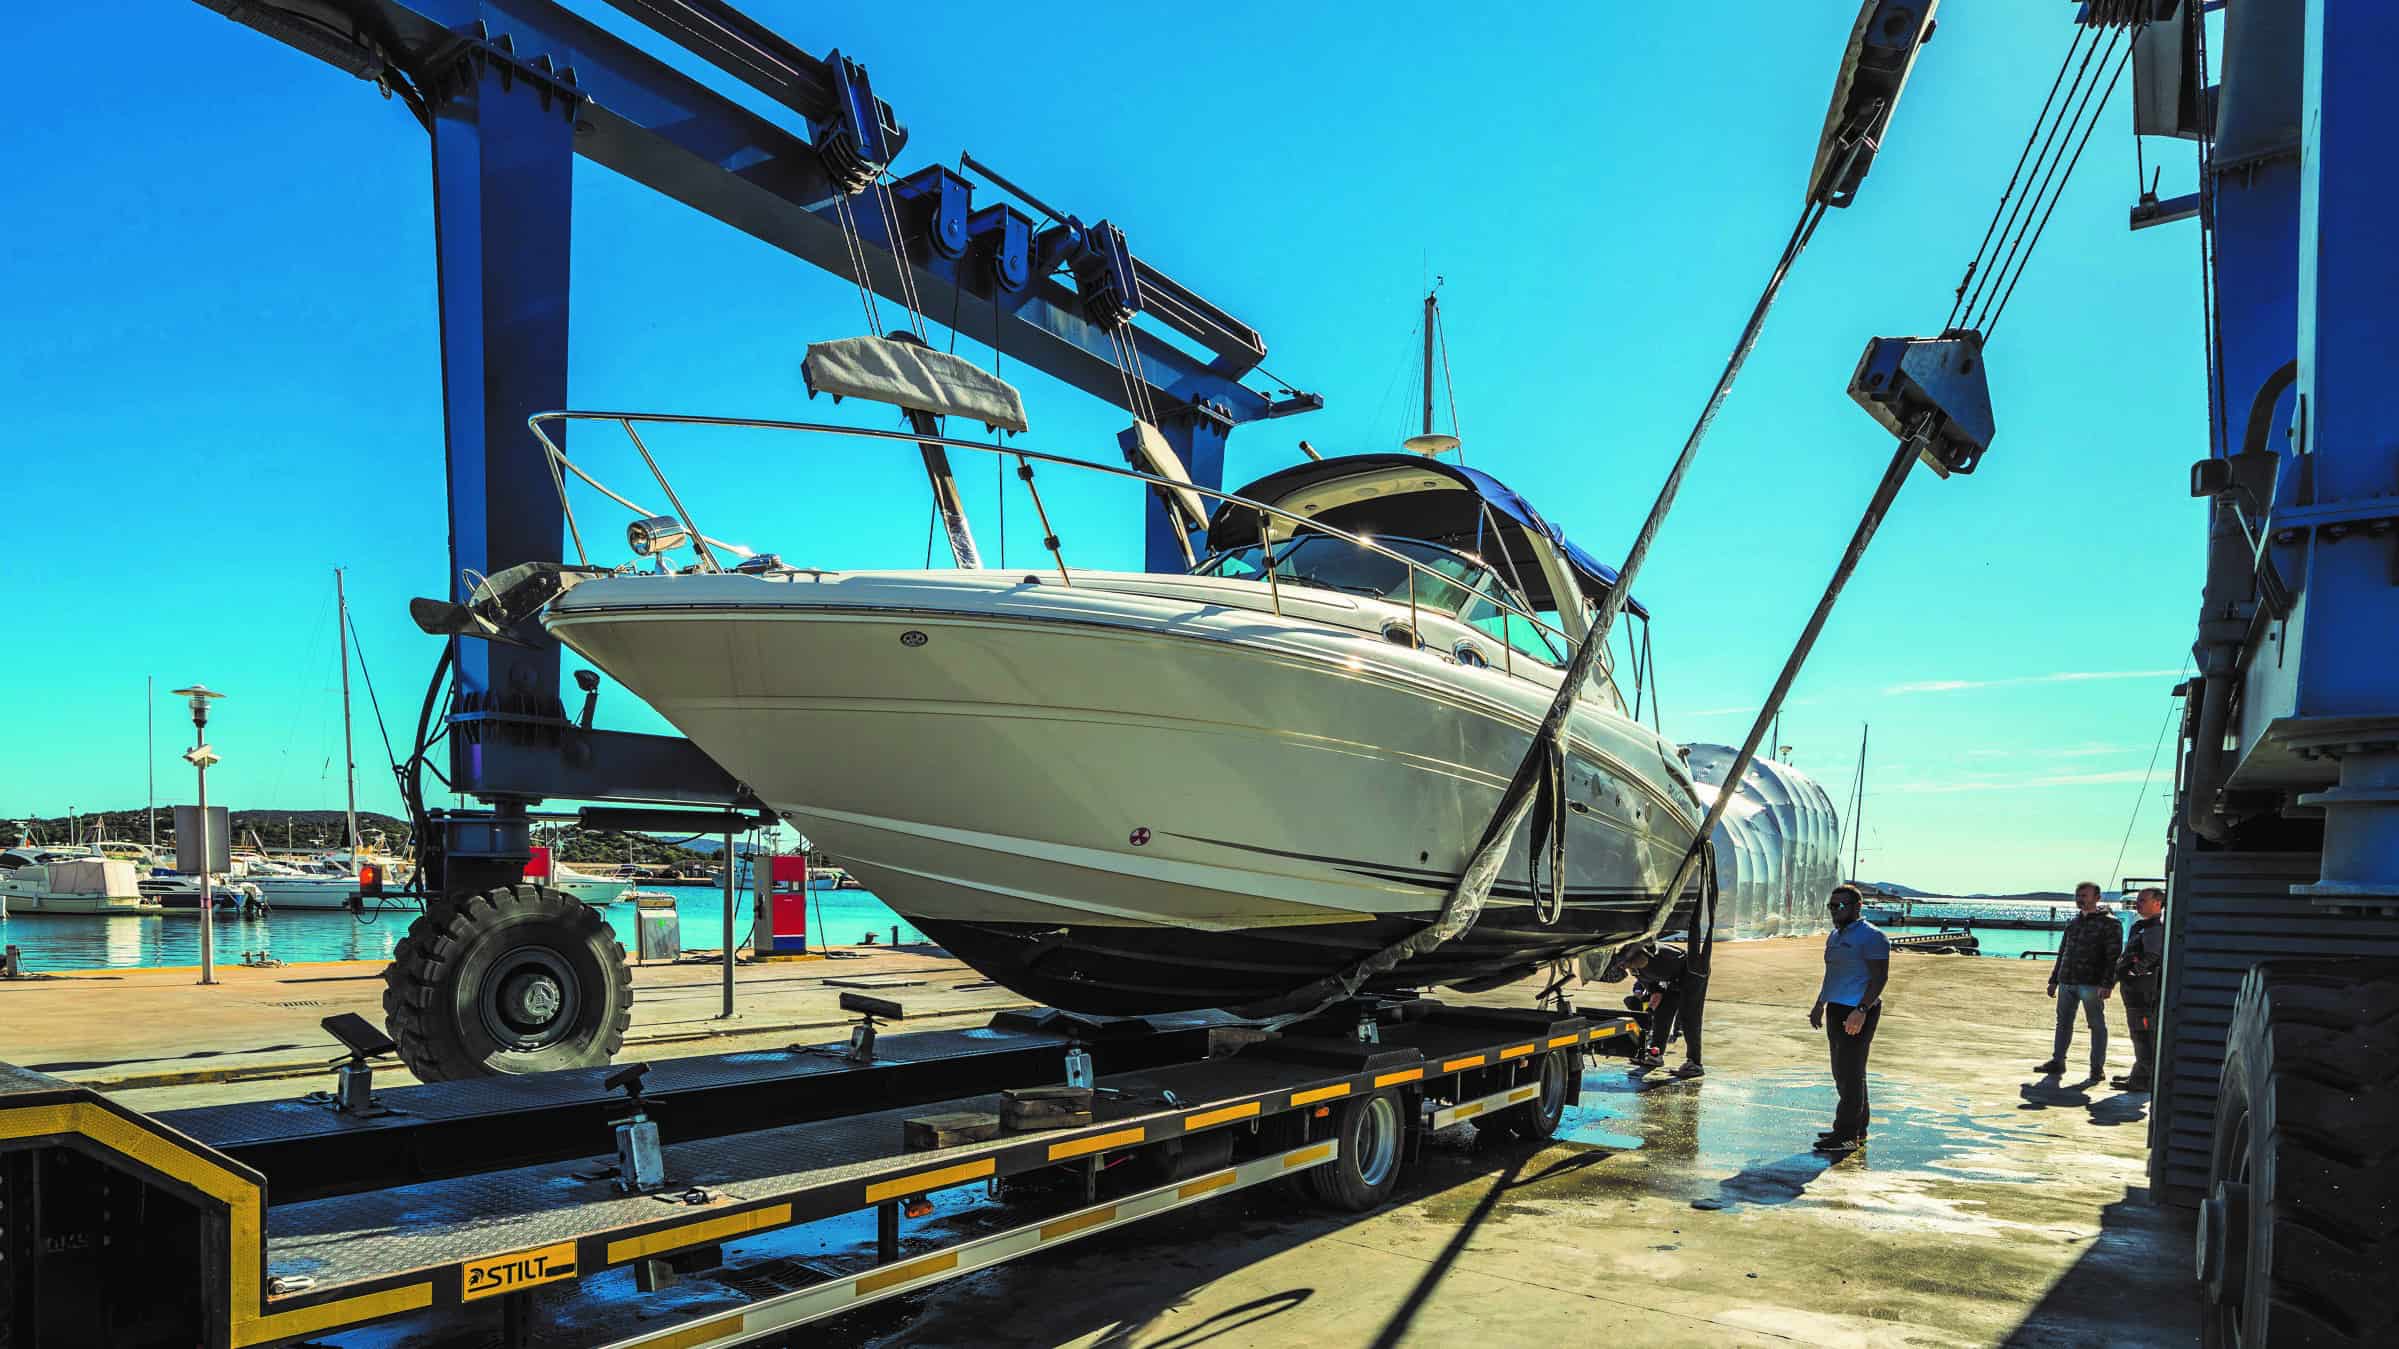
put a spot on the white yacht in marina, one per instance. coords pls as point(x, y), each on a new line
point(36, 879)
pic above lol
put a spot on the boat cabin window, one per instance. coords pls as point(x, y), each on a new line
point(1451, 582)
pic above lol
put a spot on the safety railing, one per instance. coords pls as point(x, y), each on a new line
point(705, 547)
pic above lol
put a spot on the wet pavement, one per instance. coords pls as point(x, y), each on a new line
point(1990, 1206)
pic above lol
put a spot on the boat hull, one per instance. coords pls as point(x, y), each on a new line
point(307, 892)
point(128, 906)
point(1139, 800)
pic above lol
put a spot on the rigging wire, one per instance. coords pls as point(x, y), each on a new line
point(1448, 384)
point(358, 649)
point(2173, 712)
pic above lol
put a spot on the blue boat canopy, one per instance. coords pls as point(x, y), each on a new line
point(1411, 496)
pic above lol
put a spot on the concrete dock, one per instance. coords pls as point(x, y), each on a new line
point(1992, 1206)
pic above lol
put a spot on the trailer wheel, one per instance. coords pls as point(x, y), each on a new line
point(518, 979)
point(1537, 1119)
point(2299, 1231)
point(1373, 1134)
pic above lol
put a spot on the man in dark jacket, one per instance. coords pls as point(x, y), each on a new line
point(2083, 976)
point(2139, 972)
point(1678, 994)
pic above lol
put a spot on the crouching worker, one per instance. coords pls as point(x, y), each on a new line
point(1678, 993)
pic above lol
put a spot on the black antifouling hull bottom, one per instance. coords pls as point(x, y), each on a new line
point(1128, 971)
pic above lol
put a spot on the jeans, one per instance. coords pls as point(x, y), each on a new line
point(1849, 1067)
point(2094, 1011)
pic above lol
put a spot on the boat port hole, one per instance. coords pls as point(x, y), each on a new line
point(1400, 634)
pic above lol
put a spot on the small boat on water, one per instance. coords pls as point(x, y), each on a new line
point(36, 879)
point(170, 890)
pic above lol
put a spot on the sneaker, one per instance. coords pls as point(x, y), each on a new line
point(1690, 1070)
point(2132, 1082)
point(2053, 1066)
point(1840, 1143)
point(1649, 1059)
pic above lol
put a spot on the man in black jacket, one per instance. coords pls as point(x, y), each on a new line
point(2084, 975)
point(2139, 972)
point(1679, 991)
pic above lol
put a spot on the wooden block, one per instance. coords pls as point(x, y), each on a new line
point(1045, 1107)
point(947, 1130)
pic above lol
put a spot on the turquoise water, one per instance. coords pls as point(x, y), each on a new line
point(87, 942)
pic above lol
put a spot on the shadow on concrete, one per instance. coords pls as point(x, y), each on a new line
point(1235, 1318)
point(2139, 1260)
point(2125, 1107)
point(84, 1065)
point(1478, 1174)
point(2050, 1093)
point(1769, 1183)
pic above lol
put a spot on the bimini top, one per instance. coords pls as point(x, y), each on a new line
point(1411, 496)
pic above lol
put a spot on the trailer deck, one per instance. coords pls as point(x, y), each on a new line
point(517, 1193)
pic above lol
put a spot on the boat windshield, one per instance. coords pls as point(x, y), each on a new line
point(1458, 584)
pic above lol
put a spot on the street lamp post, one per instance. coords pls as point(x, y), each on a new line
point(200, 756)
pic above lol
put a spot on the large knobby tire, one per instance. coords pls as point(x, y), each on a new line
point(2298, 1236)
point(1373, 1134)
point(519, 979)
point(1537, 1119)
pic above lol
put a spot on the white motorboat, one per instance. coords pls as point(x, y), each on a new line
point(170, 890)
point(1126, 792)
point(36, 879)
point(585, 886)
point(318, 884)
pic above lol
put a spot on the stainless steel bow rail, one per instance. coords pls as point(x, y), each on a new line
point(705, 547)
point(451, 1209)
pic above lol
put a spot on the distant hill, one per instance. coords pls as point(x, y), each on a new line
point(2030, 896)
point(312, 830)
point(293, 829)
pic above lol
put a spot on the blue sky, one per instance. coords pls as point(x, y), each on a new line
point(222, 369)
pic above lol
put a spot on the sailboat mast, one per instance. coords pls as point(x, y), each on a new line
point(1432, 307)
point(150, 755)
point(341, 631)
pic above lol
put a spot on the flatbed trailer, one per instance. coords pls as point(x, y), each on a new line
point(450, 1210)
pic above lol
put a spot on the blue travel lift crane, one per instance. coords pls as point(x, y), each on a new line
point(510, 92)
point(2277, 1086)
point(443, 1205)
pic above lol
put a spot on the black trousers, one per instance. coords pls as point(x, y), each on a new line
point(2143, 1016)
point(1849, 1066)
point(1685, 1004)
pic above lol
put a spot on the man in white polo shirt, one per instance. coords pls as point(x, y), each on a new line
point(1849, 1005)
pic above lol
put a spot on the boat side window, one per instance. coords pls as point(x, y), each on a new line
point(1449, 582)
point(1528, 640)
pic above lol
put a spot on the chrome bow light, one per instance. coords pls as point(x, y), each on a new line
point(655, 535)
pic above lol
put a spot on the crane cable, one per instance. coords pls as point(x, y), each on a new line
point(2018, 220)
